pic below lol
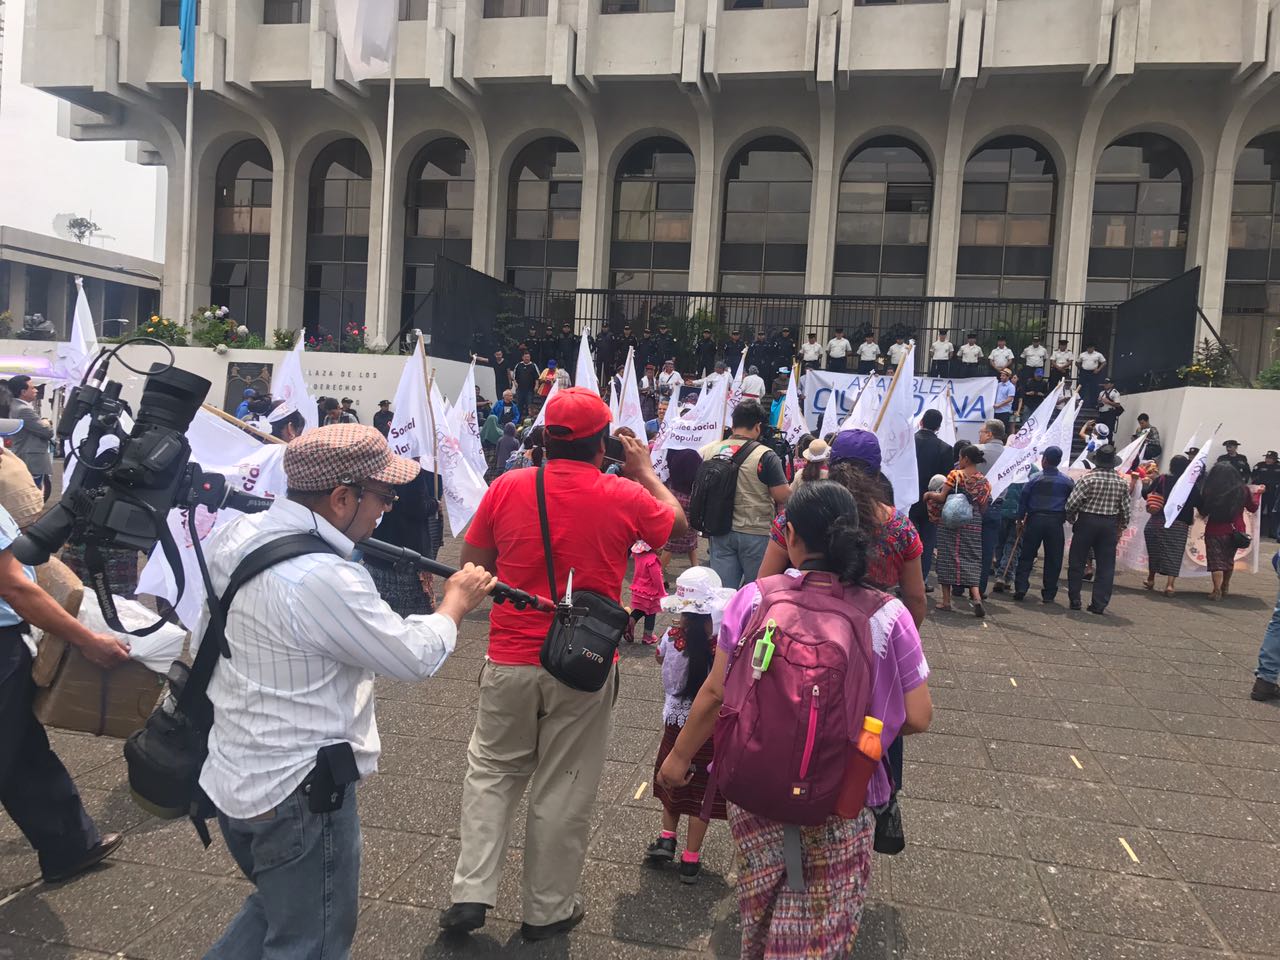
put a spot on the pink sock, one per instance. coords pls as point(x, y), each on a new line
point(668, 835)
point(689, 856)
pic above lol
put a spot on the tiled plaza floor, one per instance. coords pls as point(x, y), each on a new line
point(1092, 789)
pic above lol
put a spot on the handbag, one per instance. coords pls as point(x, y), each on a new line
point(1241, 540)
point(587, 626)
point(1155, 503)
point(956, 511)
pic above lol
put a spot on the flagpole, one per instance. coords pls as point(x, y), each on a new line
point(384, 257)
point(430, 377)
point(184, 289)
point(247, 428)
point(892, 383)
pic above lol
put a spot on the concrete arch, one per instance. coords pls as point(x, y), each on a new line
point(1039, 135)
point(1176, 135)
point(912, 137)
point(637, 137)
point(733, 147)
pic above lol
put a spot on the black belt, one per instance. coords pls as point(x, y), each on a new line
point(1051, 514)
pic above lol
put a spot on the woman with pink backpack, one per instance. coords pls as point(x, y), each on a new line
point(810, 650)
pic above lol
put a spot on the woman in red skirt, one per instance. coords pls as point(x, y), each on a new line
point(686, 653)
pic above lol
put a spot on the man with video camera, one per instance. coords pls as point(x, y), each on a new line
point(293, 706)
point(532, 730)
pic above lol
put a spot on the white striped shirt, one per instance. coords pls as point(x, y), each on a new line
point(306, 638)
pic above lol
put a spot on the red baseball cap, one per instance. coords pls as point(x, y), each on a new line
point(575, 413)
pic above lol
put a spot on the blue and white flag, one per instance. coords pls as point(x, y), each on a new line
point(187, 39)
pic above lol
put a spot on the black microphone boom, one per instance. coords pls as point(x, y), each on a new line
point(403, 555)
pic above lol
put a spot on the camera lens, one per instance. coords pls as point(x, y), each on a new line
point(44, 536)
point(171, 398)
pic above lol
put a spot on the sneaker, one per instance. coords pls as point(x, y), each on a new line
point(544, 931)
point(649, 640)
point(463, 917)
point(1098, 610)
point(91, 858)
point(689, 870)
point(1264, 690)
point(662, 850)
point(979, 610)
point(1076, 605)
point(1019, 597)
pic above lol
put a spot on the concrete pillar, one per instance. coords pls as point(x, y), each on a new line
point(944, 239)
point(17, 293)
point(593, 213)
point(60, 303)
point(703, 251)
point(825, 193)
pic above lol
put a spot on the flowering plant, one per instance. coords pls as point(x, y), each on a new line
point(1211, 364)
point(284, 339)
point(214, 326)
point(164, 329)
point(350, 340)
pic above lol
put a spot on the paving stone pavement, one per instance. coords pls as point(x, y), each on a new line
point(1093, 788)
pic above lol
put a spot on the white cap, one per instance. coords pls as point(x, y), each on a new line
point(699, 590)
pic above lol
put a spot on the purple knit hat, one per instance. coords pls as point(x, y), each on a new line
point(859, 445)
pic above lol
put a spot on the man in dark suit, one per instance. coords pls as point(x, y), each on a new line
point(31, 444)
point(933, 455)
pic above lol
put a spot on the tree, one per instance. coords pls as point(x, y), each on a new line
point(82, 228)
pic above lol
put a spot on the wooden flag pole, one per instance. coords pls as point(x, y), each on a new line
point(429, 377)
point(251, 430)
point(893, 383)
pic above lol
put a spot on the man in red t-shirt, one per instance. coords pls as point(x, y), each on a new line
point(532, 730)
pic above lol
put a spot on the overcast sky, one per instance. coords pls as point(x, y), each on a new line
point(44, 175)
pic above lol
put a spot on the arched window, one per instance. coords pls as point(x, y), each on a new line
point(652, 224)
point(1142, 199)
point(1007, 221)
point(882, 227)
point(438, 207)
point(1141, 209)
point(242, 233)
point(1251, 301)
point(765, 241)
point(337, 241)
point(543, 204)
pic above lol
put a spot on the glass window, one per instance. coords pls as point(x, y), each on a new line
point(1255, 206)
point(544, 196)
point(653, 202)
point(639, 6)
point(515, 8)
point(242, 210)
point(886, 198)
point(767, 192)
point(762, 4)
point(333, 302)
point(171, 16)
point(414, 9)
point(286, 11)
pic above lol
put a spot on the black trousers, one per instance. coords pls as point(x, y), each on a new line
point(940, 368)
point(35, 788)
point(837, 364)
point(1041, 529)
point(1093, 531)
point(866, 366)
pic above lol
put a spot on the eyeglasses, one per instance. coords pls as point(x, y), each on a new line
point(388, 499)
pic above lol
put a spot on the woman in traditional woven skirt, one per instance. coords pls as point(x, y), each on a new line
point(1166, 546)
point(686, 652)
point(1223, 500)
point(959, 561)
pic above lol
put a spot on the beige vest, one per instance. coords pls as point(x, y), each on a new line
point(753, 509)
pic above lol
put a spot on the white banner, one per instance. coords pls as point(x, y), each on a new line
point(289, 384)
point(629, 414)
point(1181, 491)
point(792, 425)
point(972, 399)
point(704, 423)
point(942, 403)
point(585, 374)
point(76, 355)
point(1024, 447)
point(897, 435)
point(463, 423)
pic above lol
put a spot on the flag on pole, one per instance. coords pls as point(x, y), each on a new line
point(585, 374)
point(896, 432)
point(629, 413)
point(77, 355)
point(187, 39)
point(464, 487)
point(288, 384)
point(1063, 427)
point(1034, 426)
point(410, 432)
point(1181, 491)
point(830, 417)
point(367, 33)
point(942, 403)
point(541, 418)
point(863, 414)
point(735, 389)
point(1126, 458)
point(1193, 443)
point(792, 424)
point(658, 451)
point(1025, 447)
point(705, 421)
point(463, 423)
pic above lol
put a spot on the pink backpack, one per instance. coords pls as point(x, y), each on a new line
point(784, 733)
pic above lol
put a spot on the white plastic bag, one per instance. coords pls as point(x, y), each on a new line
point(156, 651)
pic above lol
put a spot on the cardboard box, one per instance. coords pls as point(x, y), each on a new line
point(111, 703)
point(57, 580)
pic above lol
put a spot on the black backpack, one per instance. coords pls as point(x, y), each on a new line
point(715, 488)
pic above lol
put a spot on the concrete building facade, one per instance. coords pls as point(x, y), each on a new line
point(1068, 149)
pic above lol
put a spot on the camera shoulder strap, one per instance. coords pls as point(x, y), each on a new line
point(541, 487)
point(214, 641)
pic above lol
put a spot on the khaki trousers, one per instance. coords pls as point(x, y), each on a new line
point(532, 731)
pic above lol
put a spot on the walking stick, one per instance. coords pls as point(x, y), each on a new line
point(1012, 552)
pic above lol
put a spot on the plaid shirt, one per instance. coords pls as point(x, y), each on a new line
point(1101, 491)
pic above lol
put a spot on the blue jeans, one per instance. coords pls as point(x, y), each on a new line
point(1269, 655)
point(929, 541)
point(306, 870)
point(736, 557)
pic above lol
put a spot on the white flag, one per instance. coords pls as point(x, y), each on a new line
point(830, 417)
point(77, 355)
point(1034, 426)
point(463, 423)
point(541, 418)
point(1126, 458)
point(288, 384)
point(585, 374)
point(942, 403)
point(897, 435)
point(1181, 492)
point(629, 414)
point(658, 451)
point(1063, 428)
point(1024, 449)
point(863, 414)
point(367, 32)
point(705, 421)
point(735, 389)
point(410, 433)
point(792, 425)
point(464, 488)
point(249, 466)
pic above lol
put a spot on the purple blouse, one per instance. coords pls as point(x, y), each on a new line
point(900, 666)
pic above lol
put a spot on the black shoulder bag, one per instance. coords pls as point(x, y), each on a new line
point(587, 626)
point(165, 757)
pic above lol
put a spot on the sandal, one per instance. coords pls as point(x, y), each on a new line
point(1149, 584)
point(1215, 595)
point(944, 608)
point(1168, 591)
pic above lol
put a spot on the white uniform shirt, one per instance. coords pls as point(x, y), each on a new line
point(753, 386)
point(306, 638)
point(1062, 358)
point(971, 353)
point(673, 380)
point(810, 352)
point(1109, 398)
point(1001, 357)
point(1034, 356)
point(896, 352)
point(868, 351)
point(943, 349)
point(838, 347)
point(1091, 360)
